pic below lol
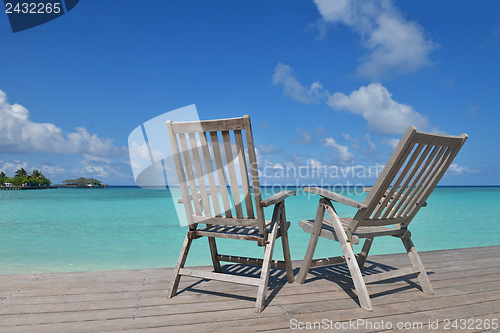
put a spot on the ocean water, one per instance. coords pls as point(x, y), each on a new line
point(69, 230)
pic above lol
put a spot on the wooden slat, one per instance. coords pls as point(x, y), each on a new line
point(231, 221)
point(244, 173)
point(210, 174)
point(357, 279)
point(250, 261)
point(327, 231)
point(394, 169)
point(427, 181)
point(410, 188)
point(390, 212)
point(441, 173)
point(390, 275)
point(189, 170)
point(438, 139)
point(220, 173)
point(381, 184)
point(232, 173)
point(421, 178)
point(254, 172)
point(390, 199)
point(220, 277)
point(276, 198)
point(334, 197)
point(199, 173)
point(208, 125)
point(180, 171)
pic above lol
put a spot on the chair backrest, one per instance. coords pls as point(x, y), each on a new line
point(212, 159)
point(411, 174)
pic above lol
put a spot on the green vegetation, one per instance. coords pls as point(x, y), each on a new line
point(22, 176)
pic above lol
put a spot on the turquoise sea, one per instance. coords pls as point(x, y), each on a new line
point(69, 230)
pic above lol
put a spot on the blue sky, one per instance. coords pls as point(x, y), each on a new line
point(325, 82)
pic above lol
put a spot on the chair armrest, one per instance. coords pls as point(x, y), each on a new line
point(278, 197)
point(191, 196)
point(335, 197)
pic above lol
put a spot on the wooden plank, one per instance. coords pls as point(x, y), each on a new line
point(210, 173)
point(233, 221)
point(414, 179)
point(219, 277)
point(174, 281)
point(463, 286)
point(275, 198)
point(284, 226)
point(362, 292)
point(200, 174)
point(390, 198)
point(445, 168)
point(334, 197)
point(208, 125)
point(254, 172)
point(268, 256)
point(232, 173)
point(434, 139)
point(417, 182)
point(428, 183)
point(189, 171)
point(391, 211)
point(250, 261)
point(240, 150)
point(220, 173)
point(390, 275)
point(180, 170)
point(384, 179)
point(313, 241)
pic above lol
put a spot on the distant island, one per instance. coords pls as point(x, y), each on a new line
point(23, 178)
point(82, 183)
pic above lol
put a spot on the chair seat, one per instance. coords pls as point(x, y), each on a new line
point(327, 230)
point(235, 232)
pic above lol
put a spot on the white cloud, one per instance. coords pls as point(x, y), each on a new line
point(390, 142)
point(52, 170)
point(315, 164)
point(396, 46)
point(305, 137)
point(283, 76)
point(269, 150)
point(342, 151)
point(454, 169)
point(19, 134)
point(383, 114)
point(374, 103)
point(10, 167)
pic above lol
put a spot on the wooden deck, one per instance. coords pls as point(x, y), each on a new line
point(466, 284)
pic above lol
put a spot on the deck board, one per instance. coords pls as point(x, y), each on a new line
point(466, 284)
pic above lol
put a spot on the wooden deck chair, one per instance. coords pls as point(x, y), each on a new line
point(411, 174)
point(204, 153)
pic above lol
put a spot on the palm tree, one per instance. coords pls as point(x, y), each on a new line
point(2, 174)
point(36, 174)
point(22, 172)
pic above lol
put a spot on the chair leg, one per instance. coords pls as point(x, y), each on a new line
point(350, 258)
point(285, 245)
point(311, 247)
point(417, 263)
point(174, 283)
point(266, 266)
point(214, 254)
point(364, 252)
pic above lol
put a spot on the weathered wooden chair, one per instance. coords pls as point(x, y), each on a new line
point(201, 157)
point(411, 174)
